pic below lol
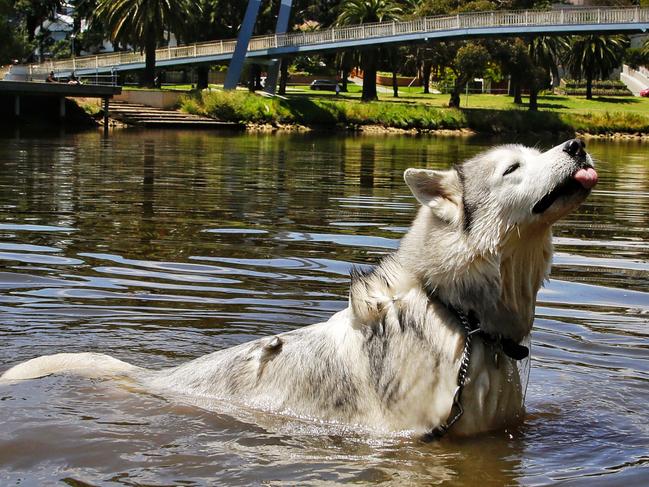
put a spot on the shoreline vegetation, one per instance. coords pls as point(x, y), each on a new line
point(619, 117)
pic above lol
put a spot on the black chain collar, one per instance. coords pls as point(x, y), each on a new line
point(456, 409)
point(471, 326)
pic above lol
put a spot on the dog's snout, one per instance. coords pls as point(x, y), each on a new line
point(575, 147)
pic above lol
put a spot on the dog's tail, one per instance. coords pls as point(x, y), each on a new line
point(86, 364)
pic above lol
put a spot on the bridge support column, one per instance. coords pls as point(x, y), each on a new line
point(62, 107)
point(17, 106)
point(239, 55)
point(280, 28)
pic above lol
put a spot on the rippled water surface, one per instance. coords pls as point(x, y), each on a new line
point(161, 247)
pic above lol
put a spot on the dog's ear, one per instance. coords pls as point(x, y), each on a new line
point(441, 191)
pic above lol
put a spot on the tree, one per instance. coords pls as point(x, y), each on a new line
point(470, 60)
point(13, 36)
point(363, 11)
point(595, 56)
point(547, 52)
point(537, 79)
point(142, 23)
point(637, 56)
point(35, 13)
point(514, 60)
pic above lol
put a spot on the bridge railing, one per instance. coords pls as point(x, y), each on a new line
point(465, 21)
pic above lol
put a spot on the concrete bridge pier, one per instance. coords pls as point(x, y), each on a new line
point(17, 106)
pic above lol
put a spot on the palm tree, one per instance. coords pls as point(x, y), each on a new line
point(363, 11)
point(547, 52)
point(595, 56)
point(142, 24)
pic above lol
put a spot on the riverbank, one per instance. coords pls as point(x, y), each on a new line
point(417, 113)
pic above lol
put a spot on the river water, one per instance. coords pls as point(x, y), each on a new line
point(159, 247)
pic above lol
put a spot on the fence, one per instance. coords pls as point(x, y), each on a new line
point(363, 32)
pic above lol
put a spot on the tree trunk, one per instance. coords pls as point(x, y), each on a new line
point(555, 76)
point(395, 84)
point(425, 73)
point(283, 77)
point(202, 80)
point(252, 76)
point(148, 78)
point(345, 74)
point(454, 101)
point(258, 85)
point(534, 94)
point(518, 93)
point(369, 75)
point(589, 87)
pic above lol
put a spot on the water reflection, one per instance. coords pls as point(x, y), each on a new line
point(160, 247)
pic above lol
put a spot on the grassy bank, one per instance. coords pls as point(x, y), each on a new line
point(486, 113)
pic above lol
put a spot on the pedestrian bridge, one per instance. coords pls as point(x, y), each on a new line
point(602, 20)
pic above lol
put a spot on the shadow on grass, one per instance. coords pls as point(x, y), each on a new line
point(306, 111)
point(515, 121)
point(552, 106)
point(554, 97)
point(616, 100)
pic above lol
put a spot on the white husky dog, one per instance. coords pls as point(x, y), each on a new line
point(433, 332)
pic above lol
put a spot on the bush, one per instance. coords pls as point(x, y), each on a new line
point(234, 106)
point(609, 87)
point(596, 92)
point(609, 84)
point(607, 122)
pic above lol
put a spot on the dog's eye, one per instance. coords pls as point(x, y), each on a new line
point(512, 168)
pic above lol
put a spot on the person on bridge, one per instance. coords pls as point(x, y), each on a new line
point(50, 78)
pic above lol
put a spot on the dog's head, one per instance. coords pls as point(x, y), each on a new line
point(506, 187)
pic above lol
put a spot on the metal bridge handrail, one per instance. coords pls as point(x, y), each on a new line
point(464, 21)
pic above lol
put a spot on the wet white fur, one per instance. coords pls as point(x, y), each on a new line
point(389, 361)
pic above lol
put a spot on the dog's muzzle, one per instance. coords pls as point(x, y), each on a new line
point(581, 181)
point(575, 148)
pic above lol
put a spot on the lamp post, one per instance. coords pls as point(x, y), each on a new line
point(73, 36)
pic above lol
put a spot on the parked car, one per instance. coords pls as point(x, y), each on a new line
point(645, 92)
point(323, 84)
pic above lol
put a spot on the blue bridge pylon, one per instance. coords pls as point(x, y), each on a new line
point(243, 39)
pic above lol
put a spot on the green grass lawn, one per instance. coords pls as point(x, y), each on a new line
point(556, 103)
point(415, 110)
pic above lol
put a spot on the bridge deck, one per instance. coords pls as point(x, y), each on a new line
point(461, 26)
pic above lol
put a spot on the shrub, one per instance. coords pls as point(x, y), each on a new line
point(607, 122)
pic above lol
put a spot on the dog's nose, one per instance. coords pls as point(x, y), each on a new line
point(575, 147)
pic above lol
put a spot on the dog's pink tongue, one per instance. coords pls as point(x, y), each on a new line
point(586, 177)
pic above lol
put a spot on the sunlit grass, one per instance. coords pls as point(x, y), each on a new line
point(415, 110)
